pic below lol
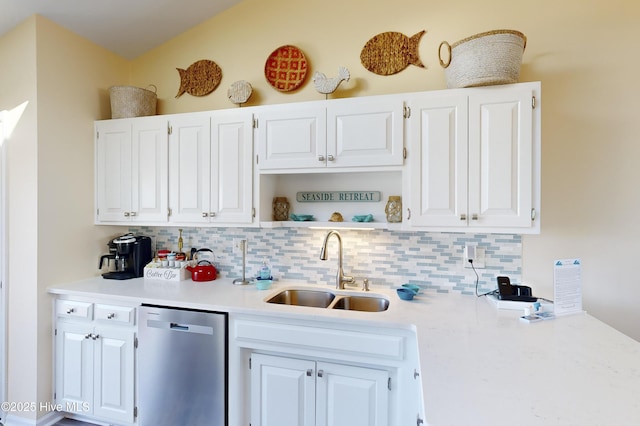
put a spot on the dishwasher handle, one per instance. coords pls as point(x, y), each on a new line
point(180, 327)
point(176, 326)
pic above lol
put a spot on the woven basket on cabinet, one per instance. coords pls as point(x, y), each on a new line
point(129, 101)
point(492, 57)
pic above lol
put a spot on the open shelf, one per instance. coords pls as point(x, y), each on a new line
point(330, 225)
point(387, 183)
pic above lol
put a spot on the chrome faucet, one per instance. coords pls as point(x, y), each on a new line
point(341, 278)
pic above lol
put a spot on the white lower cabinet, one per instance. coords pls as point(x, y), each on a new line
point(94, 369)
point(297, 392)
point(302, 372)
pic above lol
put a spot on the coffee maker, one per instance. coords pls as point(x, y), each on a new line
point(131, 255)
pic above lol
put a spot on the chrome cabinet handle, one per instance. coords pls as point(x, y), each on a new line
point(408, 214)
point(126, 214)
point(212, 214)
point(474, 217)
point(463, 216)
point(71, 310)
point(111, 315)
point(95, 336)
point(321, 158)
point(205, 214)
point(88, 336)
point(309, 372)
point(134, 214)
point(331, 158)
point(320, 373)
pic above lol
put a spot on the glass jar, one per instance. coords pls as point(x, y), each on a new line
point(280, 208)
point(393, 209)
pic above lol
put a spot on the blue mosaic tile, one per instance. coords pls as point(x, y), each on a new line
point(387, 258)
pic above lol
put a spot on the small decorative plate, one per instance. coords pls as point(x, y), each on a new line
point(286, 68)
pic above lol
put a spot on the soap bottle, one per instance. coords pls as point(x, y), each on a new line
point(265, 270)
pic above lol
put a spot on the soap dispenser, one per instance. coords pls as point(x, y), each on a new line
point(265, 270)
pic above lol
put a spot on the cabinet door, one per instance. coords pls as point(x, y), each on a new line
point(149, 170)
point(113, 171)
point(114, 374)
point(74, 367)
point(282, 391)
point(438, 159)
point(500, 158)
point(231, 199)
point(351, 396)
point(365, 133)
point(189, 168)
point(292, 137)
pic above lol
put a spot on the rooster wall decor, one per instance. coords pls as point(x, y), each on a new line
point(326, 85)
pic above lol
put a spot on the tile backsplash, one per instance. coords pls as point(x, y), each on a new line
point(387, 258)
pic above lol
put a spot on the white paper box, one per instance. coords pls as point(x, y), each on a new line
point(167, 274)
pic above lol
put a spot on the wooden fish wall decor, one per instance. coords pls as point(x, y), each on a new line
point(390, 52)
point(201, 78)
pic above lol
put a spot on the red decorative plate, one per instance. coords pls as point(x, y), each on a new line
point(286, 68)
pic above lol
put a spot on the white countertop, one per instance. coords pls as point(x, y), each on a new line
point(479, 365)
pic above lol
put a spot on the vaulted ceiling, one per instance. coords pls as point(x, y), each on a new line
point(126, 27)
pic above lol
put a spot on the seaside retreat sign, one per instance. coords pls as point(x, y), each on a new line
point(337, 196)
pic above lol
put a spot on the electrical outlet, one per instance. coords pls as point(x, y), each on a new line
point(475, 253)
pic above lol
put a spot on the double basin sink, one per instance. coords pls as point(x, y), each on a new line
point(330, 300)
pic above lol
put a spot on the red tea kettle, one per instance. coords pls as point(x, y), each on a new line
point(203, 271)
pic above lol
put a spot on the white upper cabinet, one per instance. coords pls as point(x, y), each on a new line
point(113, 170)
point(231, 199)
point(131, 170)
point(210, 168)
point(438, 158)
point(179, 169)
point(501, 159)
point(345, 133)
point(365, 132)
point(290, 136)
point(189, 168)
point(475, 159)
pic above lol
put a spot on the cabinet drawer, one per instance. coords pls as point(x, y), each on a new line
point(321, 339)
point(73, 309)
point(115, 314)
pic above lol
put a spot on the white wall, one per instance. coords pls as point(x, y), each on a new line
point(18, 85)
point(52, 238)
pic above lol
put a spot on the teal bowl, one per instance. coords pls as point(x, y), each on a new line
point(405, 293)
point(263, 284)
point(413, 287)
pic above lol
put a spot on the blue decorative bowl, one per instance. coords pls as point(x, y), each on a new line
point(263, 284)
point(363, 218)
point(302, 217)
point(413, 287)
point(405, 293)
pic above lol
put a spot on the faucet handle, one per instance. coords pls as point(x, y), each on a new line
point(365, 284)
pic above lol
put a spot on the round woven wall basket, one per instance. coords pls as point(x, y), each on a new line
point(492, 57)
point(130, 101)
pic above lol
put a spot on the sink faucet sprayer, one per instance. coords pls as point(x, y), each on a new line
point(341, 279)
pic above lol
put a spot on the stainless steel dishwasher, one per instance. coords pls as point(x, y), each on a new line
point(182, 367)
